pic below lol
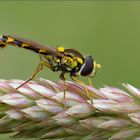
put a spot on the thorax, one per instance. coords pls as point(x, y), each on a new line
point(67, 63)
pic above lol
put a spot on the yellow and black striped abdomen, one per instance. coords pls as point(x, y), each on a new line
point(29, 44)
point(7, 40)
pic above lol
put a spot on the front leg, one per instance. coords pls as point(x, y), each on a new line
point(62, 77)
point(37, 70)
point(74, 78)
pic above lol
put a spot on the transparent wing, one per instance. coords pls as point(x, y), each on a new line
point(34, 45)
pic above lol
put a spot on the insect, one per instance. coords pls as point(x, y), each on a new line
point(57, 59)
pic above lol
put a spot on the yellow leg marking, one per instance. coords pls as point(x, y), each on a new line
point(46, 64)
point(90, 82)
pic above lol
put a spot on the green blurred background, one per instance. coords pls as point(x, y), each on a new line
point(109, 31)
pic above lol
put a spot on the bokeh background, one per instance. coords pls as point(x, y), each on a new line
point(108, 30)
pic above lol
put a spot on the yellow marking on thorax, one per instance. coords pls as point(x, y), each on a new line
point(49, 57)
point(69, 62)
point(74, 64)
point(10, 40)
point(57, 60)
point(60, 48)
point(79, 60)
point(68, 68)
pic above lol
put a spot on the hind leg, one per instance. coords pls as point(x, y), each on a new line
point(37, 70)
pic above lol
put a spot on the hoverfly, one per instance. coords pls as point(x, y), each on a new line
point(57, 59)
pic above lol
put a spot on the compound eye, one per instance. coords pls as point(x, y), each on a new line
point(87, 67)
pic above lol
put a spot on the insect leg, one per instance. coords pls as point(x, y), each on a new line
point(90, 82)
point(62, 77)
point(74, 78)
point(38, 69)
